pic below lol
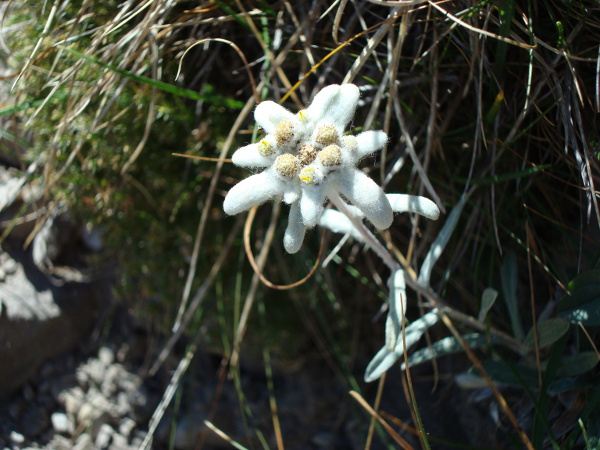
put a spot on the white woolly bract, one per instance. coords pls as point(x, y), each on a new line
point(307, 180)
point(338, 223)
point(268, 114)
point(367, 196)
point(249, 157)
point(294, 233)
point(253, 191)
point(369, 142)
point(414, 203)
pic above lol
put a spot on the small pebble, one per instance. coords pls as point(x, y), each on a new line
point(96, 371)
point(126, 427)
point(85, 415)
point(84, 442)
point(104, 436)
point(106, 356)
point(61, 423)
point(72, 400)
point(16, 438)
point(118, 442)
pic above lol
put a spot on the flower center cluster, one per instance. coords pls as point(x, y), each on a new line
point(306, 153)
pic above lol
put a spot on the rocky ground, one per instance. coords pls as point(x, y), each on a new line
point(75, 402)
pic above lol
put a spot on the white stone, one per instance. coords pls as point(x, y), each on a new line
point(106, 356)
point(126, 427)
point(17, 438)
point(118, 442)
point(104, 436)
point(61, 423)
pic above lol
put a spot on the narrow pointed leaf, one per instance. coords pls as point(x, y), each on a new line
point(488, 298)
point(381, 363)
point(446, 346)
point(386, 358)
point(397, 304)
point(440, 242)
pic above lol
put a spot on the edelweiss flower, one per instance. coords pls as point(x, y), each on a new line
point(307, 159)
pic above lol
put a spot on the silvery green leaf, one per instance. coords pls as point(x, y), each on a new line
point(381, 363)
point(445, 346)
point(488, 298)
point(397, 305)
point(416, 329)
point(386, 358)
point(437, 247)
point(392, 330)
point(469, 380)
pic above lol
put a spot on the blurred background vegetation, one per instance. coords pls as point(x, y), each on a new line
point(497, 99)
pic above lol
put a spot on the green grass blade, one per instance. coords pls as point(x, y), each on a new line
point(507, 11)
point(165, 87)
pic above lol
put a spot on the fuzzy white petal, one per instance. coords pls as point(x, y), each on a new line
point(294, 233)
point(414, 203)
point(334, 104)
point(291, 196)
point(268, 114)
point(249, 157)
point(311, 204)
point(365, 194)
point(322, 103)
point(342, 109)
point(369, 142)
point(338, 223)
point(253, 191)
